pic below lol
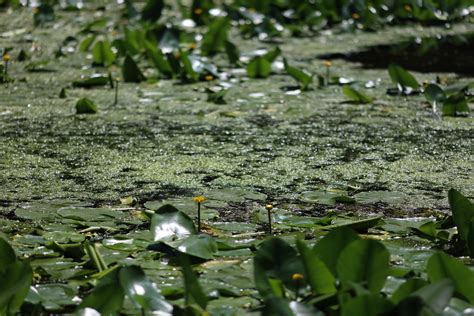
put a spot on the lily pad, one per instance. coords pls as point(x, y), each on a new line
point(388, 197)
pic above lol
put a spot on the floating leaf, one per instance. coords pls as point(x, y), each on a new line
point(434, 94)
point(355, 96)
point(365, 262)
point(407, 288)
point(131, 72)
point(284, 307)
point(85, 106)
point(93, 81)
point(259, 67)
point(389, 197)
point(329, 197)
point(200, 246)
point(358, 225)
point(455, 105)
point(436, 295)
point(300, 76)
point(107, 297)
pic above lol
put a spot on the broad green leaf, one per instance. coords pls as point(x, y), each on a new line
point(107, 297)
point(201, 246)
point(389, 197)
point(159, 60)
point(259, 67)
point(329, 197)
point(102, 54)
point(7, 255)
point(455, 105)
point(367, 305)
point(434, 94)
point(441, 266)
point(130, 71)
point(365, 262)
point(193, 291)
point(463, 212)
point(85, 106)
point(284, 307)
point(90, 214)
point(87, 43)
point(152, 10)
point(357, 225)
point(470, 238)
point(141, 291)
point(355, 96)
point(436, 295)
point(300, 76)
point(330, 247)
point(407, 288)
point(188, 72)
point(215, 38)
point(232, 52)
point(317, 273)
point(272, 55)
point(402, 78)
point(170, 223)
point(278, 260)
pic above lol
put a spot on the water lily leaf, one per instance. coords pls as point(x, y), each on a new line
point(365, 262)
point(402, 78)
point(276, 260)
point(216, 36)
point(169, 223)
point(358, 225)
point(107, 297)
point(259, 67)
point(355, 95)
point(441, 266)
point(93, 81)
point(367, 304)
point(455, 105)
point(380, 196)
point(102, 54)
point(141, 291)
point(235, 195)
point(131, 72)
point(15, 280)
point(90, 214)
point(330, 247)
point(193, 291)
point(272, 55)
point(434, 94)
point(152, 10)
point(87, 43)
point(300, 76)
point(52, 296)
point(463, 212)
point(200, 246)
point(317, 274)
point(232, 52)
point(436, 295)
point(187, 71)
point(86, 106)
point(329, 197)
point(407, 288)
point(158, 60)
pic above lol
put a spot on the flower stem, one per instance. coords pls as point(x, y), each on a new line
point(199, 217)
point(116, 92)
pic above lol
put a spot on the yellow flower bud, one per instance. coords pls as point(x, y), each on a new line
point(6, 57)
point(327, 63)
point(269, 207)
point(199, 199)
point(297, 277)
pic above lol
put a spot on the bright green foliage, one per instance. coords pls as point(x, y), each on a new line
point(86, 106)
point(194, 294)
point(158, 60)
point(355, 95)
point(15, 280)
point(214, 40)
point(403, 79)
point(300, 76)
point(169, 223)
point(130, 71)
point(102, 54)
point(441, 266)
point(259, 67)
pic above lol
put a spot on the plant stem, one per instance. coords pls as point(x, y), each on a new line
point(116, 92)
point(199, 217)
point(269, 221)
point(328, 74)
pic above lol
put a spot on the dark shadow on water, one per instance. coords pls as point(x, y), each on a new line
point(423, 54)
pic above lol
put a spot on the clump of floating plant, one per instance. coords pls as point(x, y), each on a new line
point(199, 200)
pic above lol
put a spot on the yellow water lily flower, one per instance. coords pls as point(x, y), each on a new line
point(199, 199)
